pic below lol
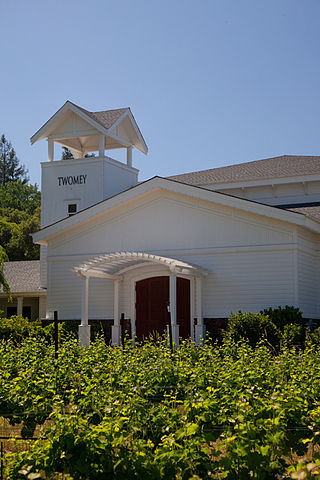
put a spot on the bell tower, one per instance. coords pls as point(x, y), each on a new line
point(84, 179)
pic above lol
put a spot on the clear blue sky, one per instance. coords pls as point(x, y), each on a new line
point(210, 83)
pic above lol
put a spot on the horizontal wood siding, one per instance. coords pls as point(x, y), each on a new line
point(64, 294)
point(167, 222)
point(248, 281)
point(308, 274)
point(251, 257)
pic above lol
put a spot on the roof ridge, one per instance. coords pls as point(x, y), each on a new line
point(244, 164)
point(281, 166)
point(112, 110)
point(99, 111)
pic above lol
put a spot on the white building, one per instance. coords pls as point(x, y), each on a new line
point(187, 249)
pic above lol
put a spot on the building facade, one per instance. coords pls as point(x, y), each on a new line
point(184, 250)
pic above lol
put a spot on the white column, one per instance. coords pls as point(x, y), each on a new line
point(42, 307)
point(84, 328)
point(200, 328)
point(19, 305)
point(192, 305)
point(116, 327)
point(173, 309)
point(129, 156)
point(101, 145)
point(50, 150)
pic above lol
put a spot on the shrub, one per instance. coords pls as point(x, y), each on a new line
point(253, 328)
point(17, 328)
point(293, 335)
point(313, 338)
point(284, 316)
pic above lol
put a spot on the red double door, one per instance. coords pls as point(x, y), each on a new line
point(152, 300)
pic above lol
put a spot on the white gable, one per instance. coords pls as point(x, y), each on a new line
point(166, 221)
point(72, 125)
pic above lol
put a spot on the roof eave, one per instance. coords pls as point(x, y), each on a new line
point(41, 133)
point(41, 237)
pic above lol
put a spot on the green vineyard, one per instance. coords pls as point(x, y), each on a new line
point(146, 412)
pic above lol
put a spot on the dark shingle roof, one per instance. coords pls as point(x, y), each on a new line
point(312, 212)
point(276, 167)
point(23, 276)
point(106, 118)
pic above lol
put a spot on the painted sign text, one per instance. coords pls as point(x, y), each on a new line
point(72, 180)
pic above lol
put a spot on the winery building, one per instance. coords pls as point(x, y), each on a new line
point(184, 250)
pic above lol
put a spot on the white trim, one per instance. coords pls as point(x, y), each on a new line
point(117, 122)
point(85, 302)
point(111, 264)
point(50, 150)
point(41, 133)
point(35, 294)
point(84, 161)
point(192, 306)
point(19, 305)
point(173, 298)
point(144, 148)
point(102, 141)
point(157, 184)
point(313, 177)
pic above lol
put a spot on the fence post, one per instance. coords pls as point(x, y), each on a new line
point(1, 466)
point(56, 334)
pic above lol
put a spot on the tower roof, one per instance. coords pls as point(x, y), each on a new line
point(77, 128)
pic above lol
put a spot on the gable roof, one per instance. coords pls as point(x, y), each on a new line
point(275, 167)
point(310, 211)
point(159, 183)
point(104, 121)
point(23, 277)
point(106, 118)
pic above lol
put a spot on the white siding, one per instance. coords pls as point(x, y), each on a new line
point(252, 259)
point(167, 222)
point(248, 281)
point(278, 194)
point(308, 274)
point(64, 293)
point(43, 266)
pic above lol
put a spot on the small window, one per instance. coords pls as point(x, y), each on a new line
point(11, 311)
point(72, 209)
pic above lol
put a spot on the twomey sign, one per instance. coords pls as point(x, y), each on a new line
point(72, 180)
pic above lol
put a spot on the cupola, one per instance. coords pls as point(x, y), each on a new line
point(82, 131)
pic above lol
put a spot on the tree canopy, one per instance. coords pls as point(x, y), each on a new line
point(3, 281)
point(10, 168)
point(19, 217)
point(67, 155)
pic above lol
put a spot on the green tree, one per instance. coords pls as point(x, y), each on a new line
point(10, 169)
point(19, 217)
point(3, 281)
point(67, 155)
point(18, 196)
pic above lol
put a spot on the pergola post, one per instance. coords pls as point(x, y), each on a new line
point(50, 150)
point(173, 309)
point(101, 145)
point(129, 156)
point(200, 327)
point(84, 328)
point(19, 305)
point(116, 327)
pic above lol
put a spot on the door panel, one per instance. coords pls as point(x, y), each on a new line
point(152, 297)
point(152, 300)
